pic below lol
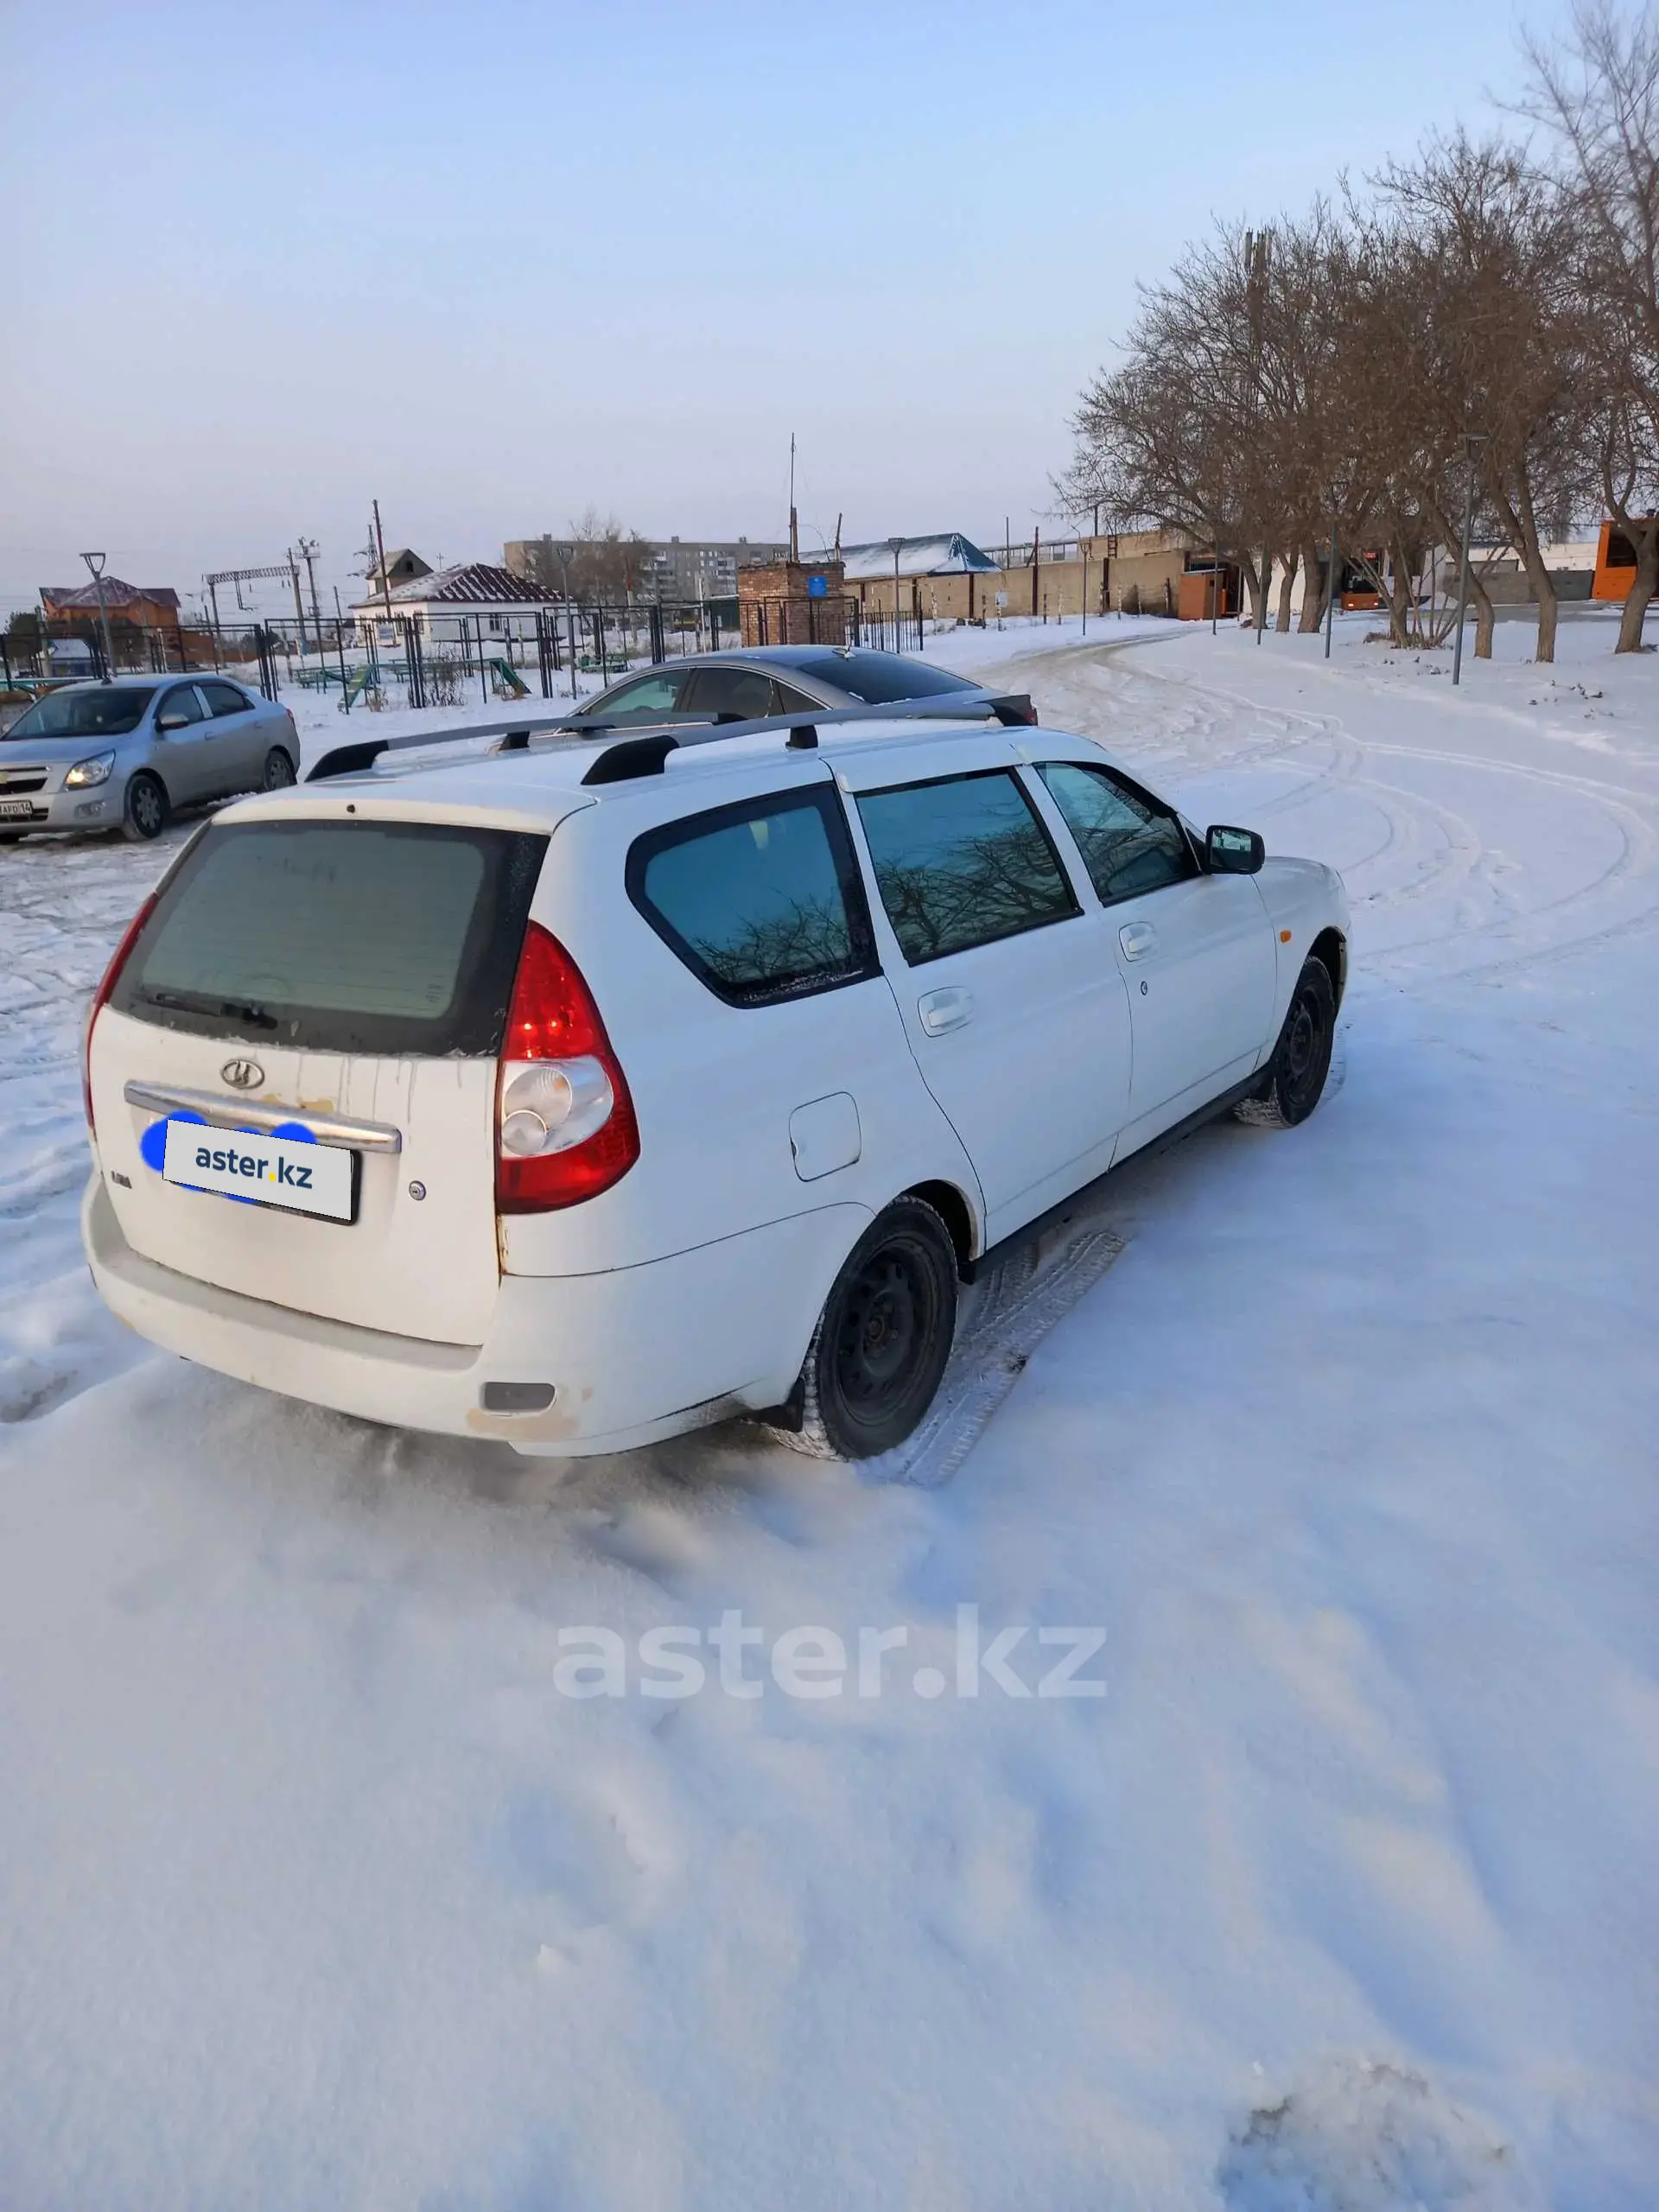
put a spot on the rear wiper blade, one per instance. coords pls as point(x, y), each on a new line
point(201, 1003)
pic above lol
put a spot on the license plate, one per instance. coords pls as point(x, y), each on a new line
point(284, 1172)
point(14, 810)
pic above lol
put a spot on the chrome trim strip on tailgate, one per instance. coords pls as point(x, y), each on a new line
point(222, 1113)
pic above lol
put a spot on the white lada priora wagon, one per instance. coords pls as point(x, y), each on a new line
point(579, 1095)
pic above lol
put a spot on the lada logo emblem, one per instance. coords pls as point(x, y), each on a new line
point(243, 1075)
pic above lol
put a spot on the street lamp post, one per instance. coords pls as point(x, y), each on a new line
point(898, 546)
point(1472, 440)
point(95, 563)
point(1332, 589)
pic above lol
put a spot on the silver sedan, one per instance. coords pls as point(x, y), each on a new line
point(127, 754)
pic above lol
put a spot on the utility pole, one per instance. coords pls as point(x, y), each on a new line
point(299, 604)
point(380, 548)
point(308, 554)
point(794, 525)
point(1332, 589)
point(1471, 440)
point(95, 563)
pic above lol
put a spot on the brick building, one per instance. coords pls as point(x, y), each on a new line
point(792, 603)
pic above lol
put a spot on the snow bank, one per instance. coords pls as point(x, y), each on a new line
point(317, 1886)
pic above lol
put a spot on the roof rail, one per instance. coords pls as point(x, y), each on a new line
point(649, 745)
point(629, 758)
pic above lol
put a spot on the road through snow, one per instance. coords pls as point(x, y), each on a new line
point(316, 1887)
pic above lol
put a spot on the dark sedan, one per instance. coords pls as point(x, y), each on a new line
point(770, 680)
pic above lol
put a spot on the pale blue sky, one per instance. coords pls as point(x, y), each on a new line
point(492, 263)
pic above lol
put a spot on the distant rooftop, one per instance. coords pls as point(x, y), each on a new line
point(72, 598)
point(950, 553)
point(472, 584)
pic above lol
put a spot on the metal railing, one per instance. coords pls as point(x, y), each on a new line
point(371, 660)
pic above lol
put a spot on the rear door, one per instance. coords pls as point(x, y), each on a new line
point(350, 976)
point(1016, 1013)
point(238, 737)
point(1197, 951)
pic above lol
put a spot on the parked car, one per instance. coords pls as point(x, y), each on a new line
point(128, 754)
point(773, 680)
point(579, 1095)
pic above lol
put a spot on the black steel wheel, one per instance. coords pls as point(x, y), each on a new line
point(145, 816)
point(1301, 1059)
point(884, 1337)
point(278, 773)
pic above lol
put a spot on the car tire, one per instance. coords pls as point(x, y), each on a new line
point(1301, 1059)
point(882, 1340)
point(144, 815)
point(278, 771)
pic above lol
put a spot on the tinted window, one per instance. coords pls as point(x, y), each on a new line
point(86, 710)
point(181, 702)
point(877, 677)
point(962, 862)
point(225, 698)
point(761, 900)
point(649, 699)
point(338, 937)
point(730, 691)
point(794, 702)
point(1130, 845)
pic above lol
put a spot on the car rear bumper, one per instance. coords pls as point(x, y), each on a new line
point(634, 1355)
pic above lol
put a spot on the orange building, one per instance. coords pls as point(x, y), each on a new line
point(1615, 563)
point(151, 607)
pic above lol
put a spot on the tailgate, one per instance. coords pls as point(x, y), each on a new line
point(351, 979)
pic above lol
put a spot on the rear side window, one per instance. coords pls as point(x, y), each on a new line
point(1130, 844)
point(338, 937)
point(761, 900)
point(962, 862)
point(741, 691)
point(224, 698)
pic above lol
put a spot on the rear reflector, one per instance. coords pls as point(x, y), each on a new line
point(565, 1126)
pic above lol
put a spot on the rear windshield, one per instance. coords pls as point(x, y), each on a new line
point(878, 678)
point(86, 710)
point(338, 937)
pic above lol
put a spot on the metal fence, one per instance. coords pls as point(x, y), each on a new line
point(374, 661)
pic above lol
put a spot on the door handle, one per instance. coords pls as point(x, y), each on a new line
point(1137, 939)
point(946, 1009)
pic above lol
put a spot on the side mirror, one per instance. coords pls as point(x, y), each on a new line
point(165, 722)
point(1232, 852)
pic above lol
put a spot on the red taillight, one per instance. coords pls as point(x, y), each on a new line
point(565, 1127)
point(101, 998)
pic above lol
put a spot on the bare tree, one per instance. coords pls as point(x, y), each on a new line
point(1489, 242)
point(605, 563)
point(1599, 101)
point(1230, 417)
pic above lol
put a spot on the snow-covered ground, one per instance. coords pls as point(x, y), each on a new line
point(317, 1888)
